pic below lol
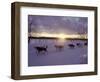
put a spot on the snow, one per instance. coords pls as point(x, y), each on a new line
point(66, 56)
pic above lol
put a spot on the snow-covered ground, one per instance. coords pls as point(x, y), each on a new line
point(66, 56)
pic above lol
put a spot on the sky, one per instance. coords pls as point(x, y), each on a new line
point(57, 24)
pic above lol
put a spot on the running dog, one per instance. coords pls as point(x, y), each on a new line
point(41, 49)
point(86, 44)
point(79, 44)
point(59, 47)
point(71, 45)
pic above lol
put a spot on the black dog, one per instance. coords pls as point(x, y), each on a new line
point(86, 44)
point(79, 44)
point(71, 45)
point(41, 49)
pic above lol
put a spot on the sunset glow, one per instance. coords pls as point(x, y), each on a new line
point(59, 36)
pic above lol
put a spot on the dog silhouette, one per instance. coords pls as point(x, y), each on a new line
point(71, 45)
point(59, 47)
point(85, 43)
point(41, 48)
point(79, 44)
